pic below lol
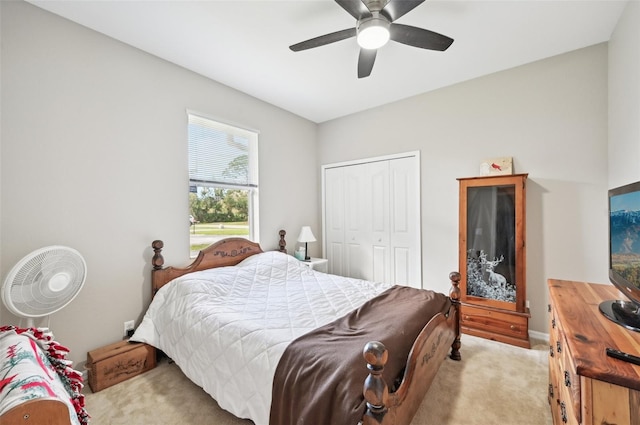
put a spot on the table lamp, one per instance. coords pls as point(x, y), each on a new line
point(306, 236)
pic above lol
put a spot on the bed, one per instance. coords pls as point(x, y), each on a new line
point(276, 342)
point(37, 383)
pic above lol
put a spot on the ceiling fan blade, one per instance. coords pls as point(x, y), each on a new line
point(366, 59)
point(324, 39)
point(419, 37)
point(356, 8)
point(397, 8)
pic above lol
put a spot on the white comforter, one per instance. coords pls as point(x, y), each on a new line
point(227, 327)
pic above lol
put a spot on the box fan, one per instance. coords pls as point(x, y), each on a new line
point(44, 282)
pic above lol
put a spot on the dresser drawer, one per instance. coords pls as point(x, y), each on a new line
point(565, 413)
point(569, 382)
point(565, 381)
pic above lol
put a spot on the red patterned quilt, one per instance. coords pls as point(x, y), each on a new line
point(34, 366)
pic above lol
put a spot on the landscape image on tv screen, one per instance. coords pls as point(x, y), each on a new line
point(625, 236)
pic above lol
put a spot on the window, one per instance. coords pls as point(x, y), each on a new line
point(223, 182)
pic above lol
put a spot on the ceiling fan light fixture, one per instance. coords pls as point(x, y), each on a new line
point(373, 32)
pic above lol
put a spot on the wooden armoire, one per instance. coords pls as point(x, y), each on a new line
point(492, 258)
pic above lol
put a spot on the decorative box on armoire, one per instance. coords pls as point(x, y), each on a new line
point(492, 258)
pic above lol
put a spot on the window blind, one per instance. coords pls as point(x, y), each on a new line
point(221, 154)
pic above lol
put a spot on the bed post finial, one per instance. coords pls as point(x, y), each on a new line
point(282, 245)
point(454, 295)
point(376, 391)
point(454, 292)
point(158, 259)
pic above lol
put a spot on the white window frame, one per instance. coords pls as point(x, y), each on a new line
point(251, 185)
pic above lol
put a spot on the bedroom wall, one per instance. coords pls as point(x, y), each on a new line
point(94, 156)
point(550, 116)
point(624, 98)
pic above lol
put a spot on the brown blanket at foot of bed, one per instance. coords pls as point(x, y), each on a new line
point(320, 377)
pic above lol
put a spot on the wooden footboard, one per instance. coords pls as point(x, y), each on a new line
point(427, 354)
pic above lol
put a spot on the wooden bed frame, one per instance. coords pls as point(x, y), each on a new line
point(428, 352)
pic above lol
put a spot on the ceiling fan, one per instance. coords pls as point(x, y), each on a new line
point(375, 27)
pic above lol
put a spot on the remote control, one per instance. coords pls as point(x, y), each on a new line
point(623, 356)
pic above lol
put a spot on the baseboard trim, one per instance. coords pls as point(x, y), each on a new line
point(539, 335)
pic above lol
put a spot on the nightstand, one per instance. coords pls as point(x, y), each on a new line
point(318, 264)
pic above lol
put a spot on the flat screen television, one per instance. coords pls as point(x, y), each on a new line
point(624, 255)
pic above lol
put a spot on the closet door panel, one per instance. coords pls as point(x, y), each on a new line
point(354, 259)
point(405, 222)
point(402, 266)
point(374, 233)
point(377, 186)
point(358, 222)
point(380, 272)
point(335, 219)
point(335, 255)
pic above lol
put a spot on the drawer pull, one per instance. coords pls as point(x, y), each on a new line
point(567, 379)
point(563, 412)
point(513, 327)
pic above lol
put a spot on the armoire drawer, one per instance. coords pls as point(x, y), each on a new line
point(502, 322)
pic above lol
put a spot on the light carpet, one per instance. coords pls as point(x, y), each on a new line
point(494, 383)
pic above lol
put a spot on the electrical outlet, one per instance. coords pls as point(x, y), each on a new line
point(129, 325)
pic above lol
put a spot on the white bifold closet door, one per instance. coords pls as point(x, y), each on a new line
point(372, 220)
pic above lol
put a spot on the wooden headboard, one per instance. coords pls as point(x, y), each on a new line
point(227, 252)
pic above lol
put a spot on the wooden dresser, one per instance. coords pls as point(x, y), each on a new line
point(585, 385)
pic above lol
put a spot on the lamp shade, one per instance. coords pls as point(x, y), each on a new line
point(306, 235)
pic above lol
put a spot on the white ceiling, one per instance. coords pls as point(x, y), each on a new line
point(244, 44)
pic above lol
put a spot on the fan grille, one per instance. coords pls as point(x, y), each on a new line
point(44, 282)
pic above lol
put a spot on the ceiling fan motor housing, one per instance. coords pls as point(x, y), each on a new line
point(375, 5)
point(373, 32)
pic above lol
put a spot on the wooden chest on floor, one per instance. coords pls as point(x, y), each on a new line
point(118, 362)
